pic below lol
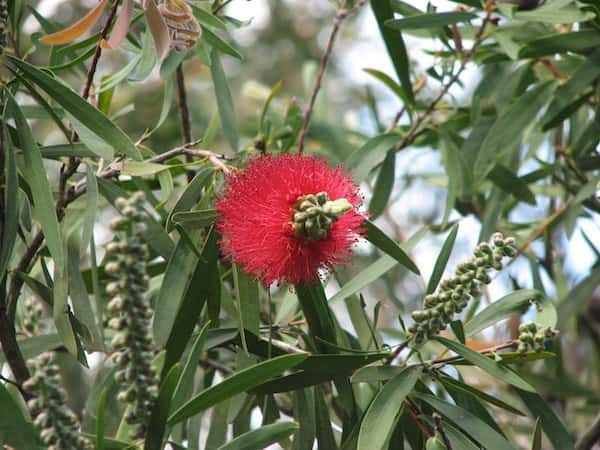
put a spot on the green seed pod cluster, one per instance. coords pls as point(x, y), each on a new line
point(454, 293)
point(533, 337)
point(131, 313)
point(31, 317)
point(315, 214)
point(58, 425)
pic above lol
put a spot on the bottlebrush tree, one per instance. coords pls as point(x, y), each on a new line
point(192, 260)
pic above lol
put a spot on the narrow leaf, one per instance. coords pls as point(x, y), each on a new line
point(379, 420)
point(442, 260)
point(224, 100)
point(379, 239)
point(262, 437)
point(489, 365)
point(237, 383)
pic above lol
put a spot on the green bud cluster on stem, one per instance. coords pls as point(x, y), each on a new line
point(58, 425)
point(131, 313)
point(31, 317)
point(454, 293)
point(314, 214)
point(533, 336)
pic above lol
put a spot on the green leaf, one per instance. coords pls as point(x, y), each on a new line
point(246, 290)
point(91, 208)
point(374, 271)
point(390, 83)
point(572, 90)
point(204, 284)
point(430, 20)
point(384, 185)
point(378, 422)
point(224, 101)
point(185, 385)
point(362, 160)
point(575, 41)
point(442, 260)
point(142, 168)
point(36, 345)
point(395, 46)
point(82, 306)
point(507, 131)
point(100, 421)
point(452, 383)
point(15, 430)
point(218, 43)
point(35, 175)
point(196, 219)
point(80, 109)
point(262, 437)
point(379, 239)
point(458, 440)
point(556, 12)
point(516, 302)
point(158, 419)
point(552, 426)
point(236, 384)
point(469, 423)
point(506, 180)
point(206, 18)
point(483, 362)
point(179, 271)
point(10, 202)
point(536, 442)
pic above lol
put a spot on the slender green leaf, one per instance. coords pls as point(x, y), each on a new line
point(506, 134)
point(432, 20)
point(158, 419)
point(179, 271)
point(536, 442)
point(469, 423)
point(218, 43)
point(100, 423)
point(395, 46)
point(185, 384)
point(379, 239)
point(224, 100)
point(516, 302)
point(575, 41)
point(237, 383)
point(261, 437)
point(442, 260)
point(362, 160)
point(506, 180)
point(35, 174)
point(384, 185)
point(490, 366)
point(10, 202)
point(552, 426)
point(451, 382)
point(80, 109)
point(379, 420)
point(196, 219)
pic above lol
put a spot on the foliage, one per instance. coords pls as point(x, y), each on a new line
point(159, 338)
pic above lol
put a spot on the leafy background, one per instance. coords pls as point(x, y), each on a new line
point(462, 131)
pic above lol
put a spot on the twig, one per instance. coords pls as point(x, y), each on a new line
point(590, 437)
point(219, 8)
point(390, 359)
point(184, 113)
point(511, 344)
point(414, 412)
point(340, 16)
point(438, 427)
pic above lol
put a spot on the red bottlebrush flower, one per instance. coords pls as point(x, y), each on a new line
point(284, 217)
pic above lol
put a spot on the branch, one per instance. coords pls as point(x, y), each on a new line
point(590, 437)
point(340, 16)
point(184, 113)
